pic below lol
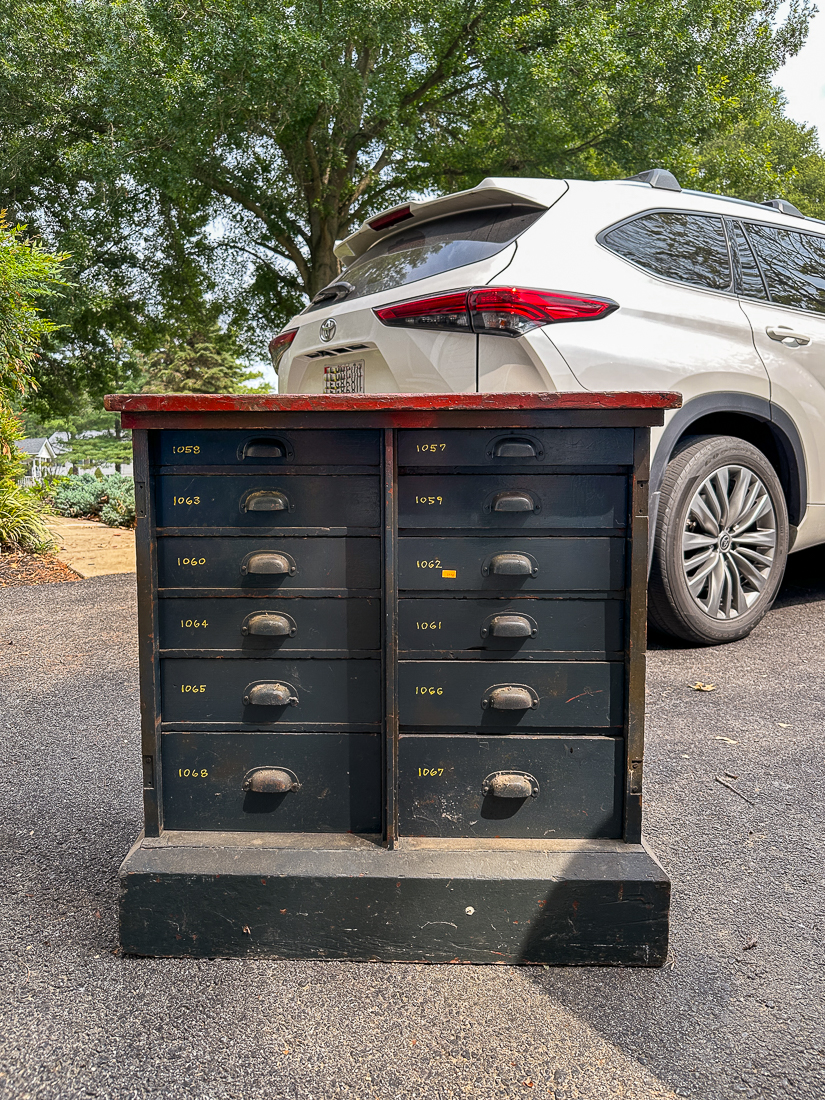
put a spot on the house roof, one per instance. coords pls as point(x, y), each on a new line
point(36, 447)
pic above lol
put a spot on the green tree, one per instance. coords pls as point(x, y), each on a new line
point(198, 363)
point(226, 146)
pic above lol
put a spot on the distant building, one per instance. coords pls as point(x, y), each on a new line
point(40, 459)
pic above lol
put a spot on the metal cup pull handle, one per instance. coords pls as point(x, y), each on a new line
point(265, 500)
point(271, 781)
point(510, 697)
point(511, 565)
point(268, 624)
point(514, 500)
point(511, 785)
point(509, 625)
point(265, 447)
point(268, 693)
point(516, 447)
point(264, 561)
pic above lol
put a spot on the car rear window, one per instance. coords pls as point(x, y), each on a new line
point(419, 251)
point(690, 248)
point(793, 265)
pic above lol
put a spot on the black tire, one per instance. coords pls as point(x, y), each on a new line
point(688, 508)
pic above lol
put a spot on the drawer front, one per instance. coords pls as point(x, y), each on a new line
point(577, 785)
point(308, 563)
point(500, 448)
point(204, 775)
point(259, 693)
point(517, 501)
point(506, 628)
point(267, 500)
point(217, 447)
point(510, 695)
point(476, 564)
point(262, 627)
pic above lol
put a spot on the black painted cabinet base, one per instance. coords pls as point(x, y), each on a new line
point(595, 903)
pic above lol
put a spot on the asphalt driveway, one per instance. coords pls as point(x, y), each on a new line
point(738, 1010)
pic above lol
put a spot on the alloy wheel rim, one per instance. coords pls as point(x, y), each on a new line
point(729, 542)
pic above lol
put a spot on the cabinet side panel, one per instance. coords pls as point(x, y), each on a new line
point(147, 612)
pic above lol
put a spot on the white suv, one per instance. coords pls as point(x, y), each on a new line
point(523, 284)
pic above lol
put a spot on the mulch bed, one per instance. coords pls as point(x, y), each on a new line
point(17, 568)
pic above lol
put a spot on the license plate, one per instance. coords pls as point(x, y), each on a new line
point(345, 377)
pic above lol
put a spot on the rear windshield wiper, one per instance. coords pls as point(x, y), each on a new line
point(335, 292)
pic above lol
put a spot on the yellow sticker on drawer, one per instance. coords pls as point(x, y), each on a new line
point(448, 573)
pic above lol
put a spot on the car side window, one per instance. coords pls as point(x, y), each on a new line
point(690, 248)
point(748, 279)
point(793, 264)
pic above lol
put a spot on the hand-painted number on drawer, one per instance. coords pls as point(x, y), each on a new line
point(192, 773)
point(429, 500)
point(196, 688)
point(196, 623)
point(431, 771)
point(191, 561)
point(430, 448)
point(429, 690)
point(186, 500)
point(191, 449)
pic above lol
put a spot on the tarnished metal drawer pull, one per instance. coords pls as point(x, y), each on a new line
point(510, 565)
point(263, 561)
point(509, 625)
point(265, 500)
point(511, 785)
point(513, 500)
point(268, 693)
point(271, 781)
point(268, 624)
point(510, 697)
point(265, 447)
point(516, 447)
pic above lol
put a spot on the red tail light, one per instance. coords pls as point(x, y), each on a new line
point(394, 216)
point(500, 311)
point(280, 345)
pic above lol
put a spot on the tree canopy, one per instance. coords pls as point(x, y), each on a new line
point(201, 159)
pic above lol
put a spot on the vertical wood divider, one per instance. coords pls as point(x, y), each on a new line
point(389, 649)
point(146, 554)
point(636, 638)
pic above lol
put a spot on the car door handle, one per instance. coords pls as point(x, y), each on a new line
point(787, 336)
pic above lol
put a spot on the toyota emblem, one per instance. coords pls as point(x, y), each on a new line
point(328, 328)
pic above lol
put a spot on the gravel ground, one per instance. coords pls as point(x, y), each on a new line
point(738, 1010)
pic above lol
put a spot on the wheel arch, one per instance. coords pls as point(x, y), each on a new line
point(747, 417)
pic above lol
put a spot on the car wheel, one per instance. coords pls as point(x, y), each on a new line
point(721, 541)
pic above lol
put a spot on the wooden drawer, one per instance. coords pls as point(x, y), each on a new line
point(267, 448)
point(516, 501)
point(510, 695)
point(269, 564)
point(514, 629)
point(502, 448)
point(575, 783)
point(258, 693)
point(553, 564)
point(204, 776)
point(267, 627)
point(268, 500)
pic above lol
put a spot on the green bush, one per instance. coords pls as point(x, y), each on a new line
point(22, 526)
point(112, 498)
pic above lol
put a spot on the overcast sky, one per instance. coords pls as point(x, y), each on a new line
point(803, 78)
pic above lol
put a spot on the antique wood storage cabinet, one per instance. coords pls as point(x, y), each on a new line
point(392, 656)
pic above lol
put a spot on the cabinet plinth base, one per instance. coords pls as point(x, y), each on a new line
point(560, 903)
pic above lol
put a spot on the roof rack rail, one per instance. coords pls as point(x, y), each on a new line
point(784, 207)
point(658, 177)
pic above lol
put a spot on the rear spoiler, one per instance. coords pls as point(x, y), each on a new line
point(540, 194)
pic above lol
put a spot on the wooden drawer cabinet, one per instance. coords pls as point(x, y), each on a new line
point(387, 642)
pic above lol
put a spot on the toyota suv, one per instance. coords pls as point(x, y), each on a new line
point(544, 284)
